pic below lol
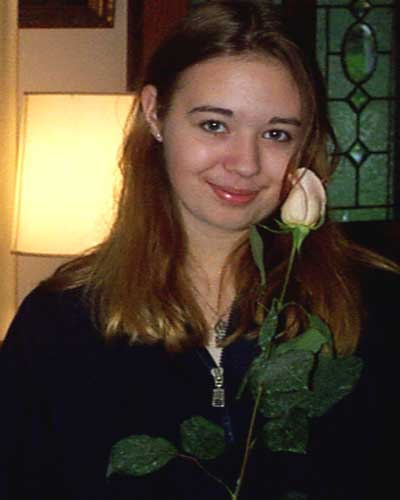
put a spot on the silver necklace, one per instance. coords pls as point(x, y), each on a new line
point(220, 329)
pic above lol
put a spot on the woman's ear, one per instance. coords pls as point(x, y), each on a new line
point(148, 100)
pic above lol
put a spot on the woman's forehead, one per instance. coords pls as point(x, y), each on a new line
point(238, 82)
point(234, 60)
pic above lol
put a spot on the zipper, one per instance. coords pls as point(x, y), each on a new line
point(218, 399)
point(217, 369)
point(217, 375)
point(218, 393)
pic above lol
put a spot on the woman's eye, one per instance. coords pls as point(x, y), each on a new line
point(278, 135)
point(213, 126)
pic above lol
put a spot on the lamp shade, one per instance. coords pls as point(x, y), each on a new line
point(68, 171)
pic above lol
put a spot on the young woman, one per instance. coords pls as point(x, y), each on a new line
point(123, 340)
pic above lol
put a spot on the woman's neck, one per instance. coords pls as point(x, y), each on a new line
point(212, 279)
point(210, 270)
point(211, 247)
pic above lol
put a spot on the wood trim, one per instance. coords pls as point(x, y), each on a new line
point(134, 43)
point(159, 18)
point(149, 21)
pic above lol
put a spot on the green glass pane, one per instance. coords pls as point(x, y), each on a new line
point(374, 125)
point(381, 84)
point(358, 99)
point(358, 153)
point(343, 120)
point(342, 186)
point(337, 215)
point(339, 22)
point(359, 52)
point(333, 3)
point(373, 177)
point(338, 85)
point(382, 2)
point(381, 20)
point(359, 214)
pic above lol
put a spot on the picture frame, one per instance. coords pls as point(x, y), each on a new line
point(66, 13)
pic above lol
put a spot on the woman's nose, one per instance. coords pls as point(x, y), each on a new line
point(244, 156)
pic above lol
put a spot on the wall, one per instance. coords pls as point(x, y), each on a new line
point(8, 148)
point(69, 60)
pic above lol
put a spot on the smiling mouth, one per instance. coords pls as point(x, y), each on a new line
point(233, 196)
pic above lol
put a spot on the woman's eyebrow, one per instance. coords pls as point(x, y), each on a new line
point(287, 121)
point(228, 112)
point(212, 109)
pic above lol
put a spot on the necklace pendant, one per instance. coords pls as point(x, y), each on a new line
point(220, 330)
point(218, 394)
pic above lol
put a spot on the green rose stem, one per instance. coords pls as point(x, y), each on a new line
point(299, 233)
point(193, 459)
point(249, 445)
point(287, 276)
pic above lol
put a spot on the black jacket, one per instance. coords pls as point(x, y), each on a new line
point(67, 397)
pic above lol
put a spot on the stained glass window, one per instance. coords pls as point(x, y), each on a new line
point(355, 41)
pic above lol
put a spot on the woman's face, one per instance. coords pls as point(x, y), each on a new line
point(232, 126)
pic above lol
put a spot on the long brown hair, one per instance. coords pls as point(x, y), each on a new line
point(135, 280)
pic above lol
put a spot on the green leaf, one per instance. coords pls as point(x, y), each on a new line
point(285, 373)
point(287, 433)
point(202, 438)
point(279, 404)
point(334, 378)
point(269, 326)
point(311, 340)
point(139, 455)
point(257, 250)
point(317, 323)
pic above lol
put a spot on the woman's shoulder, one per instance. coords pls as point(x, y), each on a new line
point(380, 293)
point(45, 300)
point(49, 317)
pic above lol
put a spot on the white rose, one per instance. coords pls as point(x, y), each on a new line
point(306, 202)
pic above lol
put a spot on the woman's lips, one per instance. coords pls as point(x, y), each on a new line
point(234, 196)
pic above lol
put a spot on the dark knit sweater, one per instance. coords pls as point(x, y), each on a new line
point(67, 397)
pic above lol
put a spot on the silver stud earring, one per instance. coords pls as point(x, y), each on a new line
point(158, 136)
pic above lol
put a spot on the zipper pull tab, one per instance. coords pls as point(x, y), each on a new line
point(218, 394)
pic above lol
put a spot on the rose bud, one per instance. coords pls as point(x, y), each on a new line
point(306, 202)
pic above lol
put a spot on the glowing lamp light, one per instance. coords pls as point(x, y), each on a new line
point(68, 171)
